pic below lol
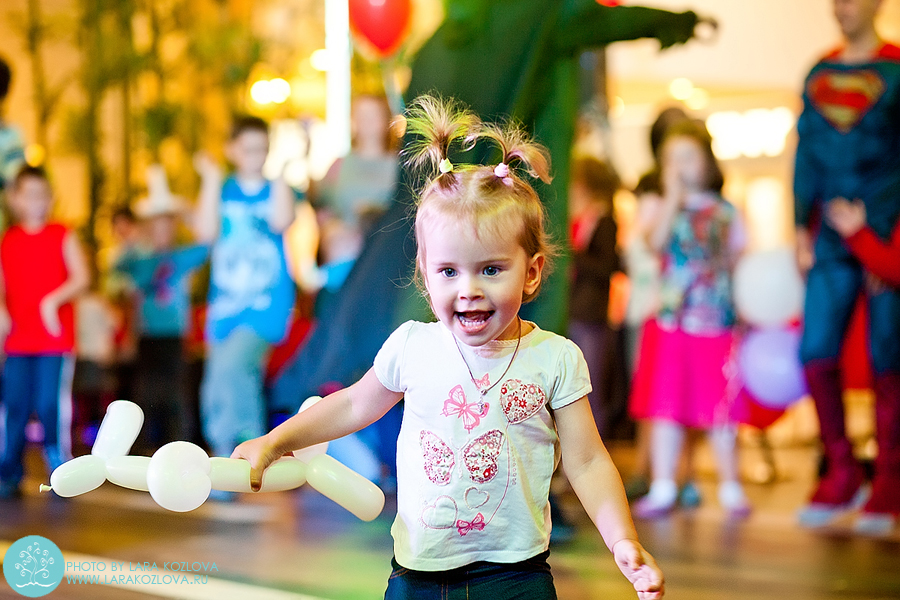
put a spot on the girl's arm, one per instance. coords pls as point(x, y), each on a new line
point(77, 280)
point(337, 415)
point(597, 484)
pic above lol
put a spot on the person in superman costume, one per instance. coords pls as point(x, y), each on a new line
point(510, 58)
point(849, 150)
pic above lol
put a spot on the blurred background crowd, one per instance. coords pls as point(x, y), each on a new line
point(221, 166)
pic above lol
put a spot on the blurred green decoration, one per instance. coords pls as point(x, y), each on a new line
point(37, 29)
point(163, 62)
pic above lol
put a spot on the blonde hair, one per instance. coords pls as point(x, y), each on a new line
point(493, 198)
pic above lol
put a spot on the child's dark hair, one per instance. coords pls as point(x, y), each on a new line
point(29, 171)
point(123, 212)
point(664, 121)
point(244, 123)
point(5, 78)
point(597, 176)
point(696, 130)
point(493, 198)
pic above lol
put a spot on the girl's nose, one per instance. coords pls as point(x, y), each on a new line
point(469, 288)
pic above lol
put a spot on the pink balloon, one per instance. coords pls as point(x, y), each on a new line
point(769, 360)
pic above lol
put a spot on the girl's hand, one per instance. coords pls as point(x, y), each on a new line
point(673, 186)
point(260, 453)
point(639, 568)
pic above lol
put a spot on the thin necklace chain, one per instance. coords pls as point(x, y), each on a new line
point(484, 391)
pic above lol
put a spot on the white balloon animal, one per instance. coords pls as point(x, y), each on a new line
point(180, 475)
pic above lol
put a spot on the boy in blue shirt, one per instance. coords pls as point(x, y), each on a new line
point(251, 294)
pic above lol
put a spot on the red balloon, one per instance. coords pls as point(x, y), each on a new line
point(383, 23)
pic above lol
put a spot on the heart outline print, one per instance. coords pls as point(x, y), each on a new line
point(458, 405)
point(479, 456)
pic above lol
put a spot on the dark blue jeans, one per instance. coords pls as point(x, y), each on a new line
point(527, 580)
point(31, 385)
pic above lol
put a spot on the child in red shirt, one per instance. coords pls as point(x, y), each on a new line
point(42, 268)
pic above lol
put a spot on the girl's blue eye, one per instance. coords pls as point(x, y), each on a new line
point(448, 272)
point(491, 271)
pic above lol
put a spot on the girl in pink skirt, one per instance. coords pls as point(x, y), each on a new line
point(682, 379)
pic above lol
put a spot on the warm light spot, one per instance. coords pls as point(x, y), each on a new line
point(681, 88)
point(261, 92)
point(319, 60)
point(280, 90)
point(35, 155)
point(698, 100)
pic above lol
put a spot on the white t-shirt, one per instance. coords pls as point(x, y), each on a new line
point(473, 474)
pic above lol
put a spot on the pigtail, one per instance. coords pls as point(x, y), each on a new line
point(436, 124)
point(517, 148)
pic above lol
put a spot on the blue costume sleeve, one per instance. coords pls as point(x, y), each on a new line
point(806, 191)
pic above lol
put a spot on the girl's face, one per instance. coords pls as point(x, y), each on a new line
point(370, 122)
point(476, 285)
point(684, 159)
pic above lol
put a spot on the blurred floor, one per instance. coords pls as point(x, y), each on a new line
point(299, 545)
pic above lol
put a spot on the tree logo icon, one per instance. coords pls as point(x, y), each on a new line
point(33, 566)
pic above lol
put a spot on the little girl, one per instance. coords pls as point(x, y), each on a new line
point(682, 380)
point(491, 401)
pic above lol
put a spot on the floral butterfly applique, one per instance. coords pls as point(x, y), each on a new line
point(479, 457)
point(458, 405)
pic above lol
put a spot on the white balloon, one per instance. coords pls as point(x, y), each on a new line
point(233, 474)
point(178, 476)
point(768, 289)
point(78, 476)
point(346, 487)
point(119, 429)
point(128, 471)
point(306, 454)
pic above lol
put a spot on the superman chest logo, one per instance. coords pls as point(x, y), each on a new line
point(844, 98)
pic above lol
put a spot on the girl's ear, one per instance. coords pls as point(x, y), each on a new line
point(533, 273)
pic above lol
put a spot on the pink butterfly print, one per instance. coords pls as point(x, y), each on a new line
point(476, 524)
point(457, 405)
point(484, 382)
point(479, 456)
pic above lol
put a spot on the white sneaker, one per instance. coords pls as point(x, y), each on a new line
point(659, 501)
point(733, 499)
